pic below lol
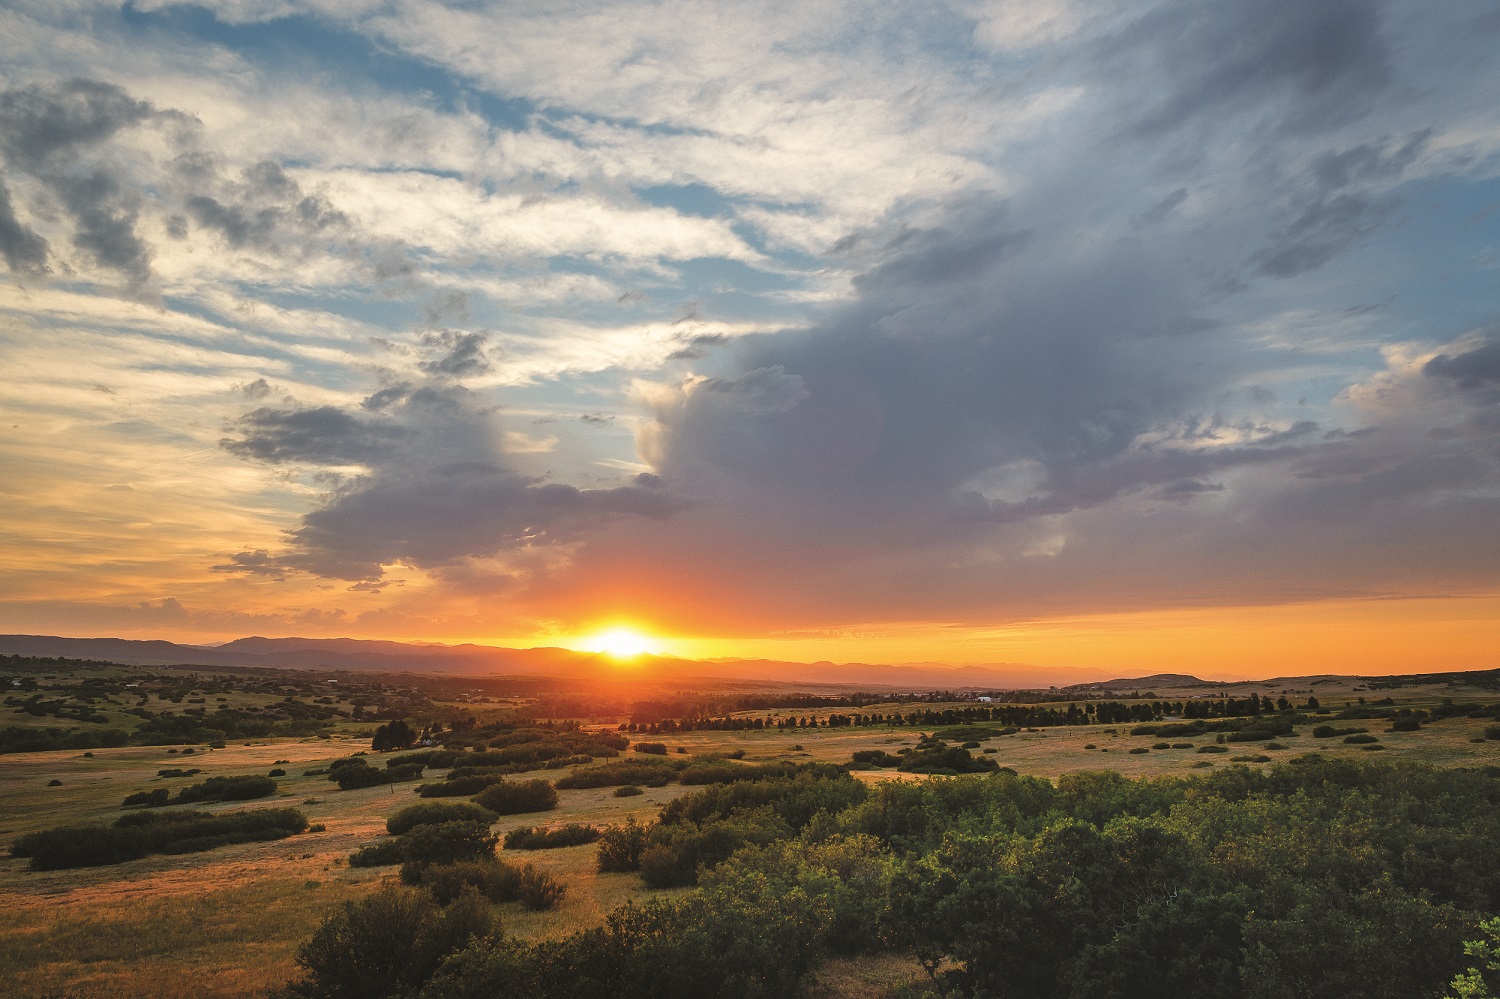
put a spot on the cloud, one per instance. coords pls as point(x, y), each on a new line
point(1299, 67)
point(324, 435)
point(1475, 368)
point(25, 252)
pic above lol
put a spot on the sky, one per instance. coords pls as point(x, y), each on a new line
point(1113, 334)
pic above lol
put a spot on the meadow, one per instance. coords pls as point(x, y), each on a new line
point(229, 921)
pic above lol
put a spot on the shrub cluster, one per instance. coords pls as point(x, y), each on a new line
point(540, 838)
point(517, 797)
point(137, 835)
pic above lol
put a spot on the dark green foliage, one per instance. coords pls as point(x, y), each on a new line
point(620, 847)
point(428, 813)
point(628, 791)
point(539, 890)
point(438, 759)
point(1137, 750)
point(935, 757)
point(492, 878)
point(459, 787)
point(381, 853)
point(174, 772)
point(1213, 749)
point(1405, 725)
point(658, 748)
point(539, 838)
point(143, 833)
point(1329, 731)
point(154, 798)
point(877, 757)
point(517, 797)
point(354, 772)
point(228, 789)
point(277, 772)
point(642, 772)
point(396, 735)
point(1359, 740)
point(448, 842)
point(388, 944)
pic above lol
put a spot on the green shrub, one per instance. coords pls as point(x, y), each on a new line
point(277, 772)
point(387, 944)
point(515, 798)
point(657, 748)
point(430, 812)
point(494, 879)
point(620, 847)
point(628, 791)
point(142, 833)
point(154, 798)
point(381, 853)
point(448, 842)
point(1360, 740)
point(647, 773)
point(1213, 749)
point(1137, 750)
point(459, 787)
point(228, 789)
point(539, 890)
point(539, 838)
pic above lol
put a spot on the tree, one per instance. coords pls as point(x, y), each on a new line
point(396, 735)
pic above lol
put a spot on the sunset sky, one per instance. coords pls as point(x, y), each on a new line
point(1116, 334)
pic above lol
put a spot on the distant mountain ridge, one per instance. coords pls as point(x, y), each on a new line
point(364, 654)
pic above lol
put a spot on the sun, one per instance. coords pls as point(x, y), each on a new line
point(621, 643)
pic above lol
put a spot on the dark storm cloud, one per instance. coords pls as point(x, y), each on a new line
point(1477, 368)
point(25, 251)
point(323, 436)
point(432, 517)
point(1302, 66)
point(436, 491)
point(463, 353)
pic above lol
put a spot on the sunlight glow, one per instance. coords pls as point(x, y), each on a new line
point(621, 643)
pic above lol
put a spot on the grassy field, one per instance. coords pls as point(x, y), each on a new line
point(228, 922)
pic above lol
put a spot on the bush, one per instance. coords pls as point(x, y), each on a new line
point(154, 798)
point(626, 791)
point(538, 838)
point(539, 890)
point(648, 773)
point(620, 847)
point(228, 789)
point(1213, 749)
point(494, 879)
point(430, 812)
point(515, 798)
point(143, 833)
point(1405, 725)
point(657, 748)
point(1360, 740)
point(387, 944)
point(278, 772)
point(459, 787)
point(877, 757)
point(448, 842)
point(381, 853)
point(1492, 731)
point(1137, 750)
